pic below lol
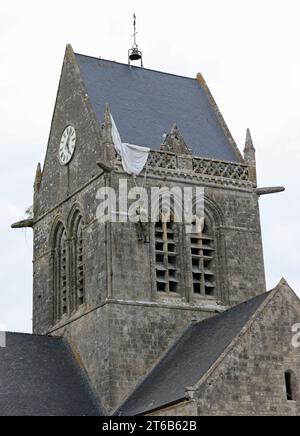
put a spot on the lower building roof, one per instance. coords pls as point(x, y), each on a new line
point(39, 376)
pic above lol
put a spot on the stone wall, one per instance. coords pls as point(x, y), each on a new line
point(120, 342)
point(186, 408)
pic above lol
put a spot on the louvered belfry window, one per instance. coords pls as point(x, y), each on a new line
point(203, 256)
point(166, 237)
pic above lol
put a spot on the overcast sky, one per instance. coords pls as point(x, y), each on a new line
point(248, 51)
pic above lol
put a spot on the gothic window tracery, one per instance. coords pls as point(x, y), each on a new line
point(68, 267)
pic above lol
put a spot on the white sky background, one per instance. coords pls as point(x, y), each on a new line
point(248, 51)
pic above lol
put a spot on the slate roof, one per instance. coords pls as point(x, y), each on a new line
point(189, 359)
point(145, 104)
point(40, 377)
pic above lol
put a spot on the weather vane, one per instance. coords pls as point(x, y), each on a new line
point(135, 54)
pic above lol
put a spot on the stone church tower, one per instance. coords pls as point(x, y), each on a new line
point(120, 292)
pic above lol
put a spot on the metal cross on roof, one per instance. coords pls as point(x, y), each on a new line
point(135, 32)
point(135, 54)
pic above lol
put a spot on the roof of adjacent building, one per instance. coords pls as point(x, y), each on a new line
point(189, 359)
point(146, 104)
point(39, 376)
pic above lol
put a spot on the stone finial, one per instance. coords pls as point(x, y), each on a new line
point(175, 143)
point(283, 282)
point(249, 141)
point(249, 150)
point(283, 285)
point(107, 125)
point(107, 114)
point(36, 190)
point(70, 52)
point(110, 153)
point(250, 157)
point(38, 178)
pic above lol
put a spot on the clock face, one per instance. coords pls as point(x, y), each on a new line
point(67, 145)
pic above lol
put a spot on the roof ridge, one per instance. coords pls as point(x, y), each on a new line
point(34, 335)
point(234, 308)
point(133, 66)
point(220, 118)
point(80, 368)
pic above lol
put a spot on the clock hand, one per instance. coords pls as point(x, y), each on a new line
point(67, 146)
point(69, 140)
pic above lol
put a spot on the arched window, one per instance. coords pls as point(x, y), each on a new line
point(166, 241)
point(203, 259)
point(78, 282)
point(289, 385)
point(60, 278)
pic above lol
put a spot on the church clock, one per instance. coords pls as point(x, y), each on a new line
point(67, 145)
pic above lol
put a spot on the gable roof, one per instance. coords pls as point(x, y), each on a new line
point(145, 105)
point(189, 359)
point(40, 377)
